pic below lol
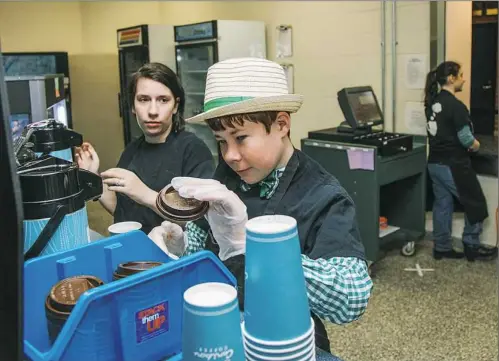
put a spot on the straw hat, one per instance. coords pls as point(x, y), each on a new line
point(246, 85)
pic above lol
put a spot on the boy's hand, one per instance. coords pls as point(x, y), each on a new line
point(170, 238)
point(226, 215)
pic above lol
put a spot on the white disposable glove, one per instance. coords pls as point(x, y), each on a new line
point(226, 214)
point(170, 238)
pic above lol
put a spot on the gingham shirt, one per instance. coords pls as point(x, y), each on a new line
point(338, 288)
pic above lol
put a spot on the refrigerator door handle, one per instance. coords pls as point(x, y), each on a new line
point(119, 105)
point(195, 42)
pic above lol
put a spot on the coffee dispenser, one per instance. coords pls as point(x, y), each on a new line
point(54, 194)
point(54, 138)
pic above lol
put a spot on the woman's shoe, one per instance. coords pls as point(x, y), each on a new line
point(480, 253)
point(438, 255)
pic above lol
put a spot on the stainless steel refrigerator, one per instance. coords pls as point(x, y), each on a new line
point(200, 45)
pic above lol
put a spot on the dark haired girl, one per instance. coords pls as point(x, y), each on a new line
point(163, 152)
point(451, 140)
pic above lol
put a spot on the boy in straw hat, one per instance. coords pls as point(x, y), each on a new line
point(247, 105)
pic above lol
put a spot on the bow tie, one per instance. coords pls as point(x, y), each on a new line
point(268, 185)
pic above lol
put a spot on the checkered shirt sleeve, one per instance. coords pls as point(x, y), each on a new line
point(338, 288)
point(196, 238)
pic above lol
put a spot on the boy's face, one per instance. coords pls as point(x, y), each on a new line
point(252, 152)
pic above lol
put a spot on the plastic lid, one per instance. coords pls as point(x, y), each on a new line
point(130, 268)
point(64, 295)
point(175, 208)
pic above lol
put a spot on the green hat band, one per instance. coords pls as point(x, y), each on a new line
point(220, 102)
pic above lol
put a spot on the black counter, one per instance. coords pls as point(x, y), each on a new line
point(485, 160)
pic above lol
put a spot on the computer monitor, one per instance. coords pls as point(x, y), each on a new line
point(360, 107)
point(11, 256)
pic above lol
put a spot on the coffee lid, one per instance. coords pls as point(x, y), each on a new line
point(175, 208)
point(65, 294)
point(130, 268)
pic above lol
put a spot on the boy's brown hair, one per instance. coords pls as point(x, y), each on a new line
point(266, 118)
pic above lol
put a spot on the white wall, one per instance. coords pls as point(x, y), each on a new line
point(458, 41)
point(336, 44)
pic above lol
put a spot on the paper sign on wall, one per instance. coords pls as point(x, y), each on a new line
point(415, 118)
point(284, 41)
point(415, 70)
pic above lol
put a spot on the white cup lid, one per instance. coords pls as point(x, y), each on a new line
point(124, 227)
point(210, 294)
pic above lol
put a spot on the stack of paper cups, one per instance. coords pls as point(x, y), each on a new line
point(277, 324)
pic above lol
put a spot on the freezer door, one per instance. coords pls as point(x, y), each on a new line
point(131, 59)
point(193, 61)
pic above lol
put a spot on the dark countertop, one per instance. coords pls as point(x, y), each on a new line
point(488, 145)
point(485, 160)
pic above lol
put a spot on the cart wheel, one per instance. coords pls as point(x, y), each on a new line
point(409, 249)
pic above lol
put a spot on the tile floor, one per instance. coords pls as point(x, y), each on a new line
point(450, 314)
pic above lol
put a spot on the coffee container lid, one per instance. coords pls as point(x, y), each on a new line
point(64, 295)
point(130, 268)
point(175, 208)
point(48, 182)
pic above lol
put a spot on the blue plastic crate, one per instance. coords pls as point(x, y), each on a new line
point(106, 323)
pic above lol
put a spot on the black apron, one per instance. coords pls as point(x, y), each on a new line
point(468, 187)
point(321, 339)
point(470, 191)
point(449, 151)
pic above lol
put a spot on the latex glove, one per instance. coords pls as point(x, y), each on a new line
point(126, 182)
point(226, 214)
point(87, 158)
point(170, 238)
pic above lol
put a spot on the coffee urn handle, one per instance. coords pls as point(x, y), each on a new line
point(47, 233)
point(91, 185)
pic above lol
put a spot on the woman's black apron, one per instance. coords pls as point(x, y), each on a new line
point(471, 197)
point(469, 189)
point(223, 174)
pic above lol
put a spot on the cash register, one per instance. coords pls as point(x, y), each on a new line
point(384, 173)
point(362, 115)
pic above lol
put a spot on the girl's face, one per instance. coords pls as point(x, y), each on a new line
point(154, 106)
